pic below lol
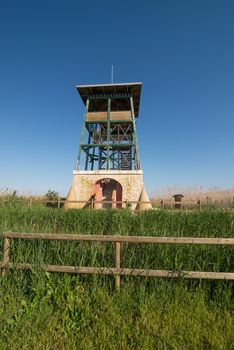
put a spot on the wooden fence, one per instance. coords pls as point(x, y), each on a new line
point(92, 204)
point(117, 271)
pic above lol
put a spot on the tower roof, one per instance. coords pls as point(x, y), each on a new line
point(121, 88)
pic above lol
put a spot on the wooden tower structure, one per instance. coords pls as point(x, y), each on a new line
point(108, 165)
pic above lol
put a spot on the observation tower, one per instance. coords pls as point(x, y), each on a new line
point(108, 164)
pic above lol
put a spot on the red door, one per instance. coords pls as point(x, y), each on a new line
point(107, 192)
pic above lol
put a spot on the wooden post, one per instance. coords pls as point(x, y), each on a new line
point(92, 204)
point(162, 204)
point(117, 264)
point(6, 254)
point(199, 203)
point(30, 201)
point(58, 202)
point(82, 135)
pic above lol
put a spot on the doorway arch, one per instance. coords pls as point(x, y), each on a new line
point(110, 190)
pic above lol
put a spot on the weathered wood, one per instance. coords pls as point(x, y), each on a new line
point(117, 264)
point(162, 204)
point(6, 255)
point(153, 202)
point(96, 116)
point(114, 116)
point(116, 238)
point(54, 201)
point(117, 271)
point(199, 204)
point(126, 272)
point(120, 115)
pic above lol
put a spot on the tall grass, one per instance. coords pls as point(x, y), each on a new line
point(59, 311)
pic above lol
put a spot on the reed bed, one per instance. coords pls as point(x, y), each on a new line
point(213, 197)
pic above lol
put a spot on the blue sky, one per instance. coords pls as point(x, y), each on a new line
point(182, 51)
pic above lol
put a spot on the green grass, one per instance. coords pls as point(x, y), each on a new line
point(60, 311)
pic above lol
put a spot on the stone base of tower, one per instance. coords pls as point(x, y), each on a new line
point(103, 186)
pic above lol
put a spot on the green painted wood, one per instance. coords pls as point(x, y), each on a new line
point(108, 134)
point(136, 158)
point(87, 155)
point(104, 145)
point(107, 96)
point(82, 136)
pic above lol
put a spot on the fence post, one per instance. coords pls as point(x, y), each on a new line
point(162, 204)
point(6, 254)
point(199, 204)
point(117, 264)
point(58, 202)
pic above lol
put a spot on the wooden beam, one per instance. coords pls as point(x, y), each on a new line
point(117, 264)
point(6, 255)
point(116, 238)
point(82, 136)
point(126, 272)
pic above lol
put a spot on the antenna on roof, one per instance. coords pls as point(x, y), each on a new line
point(112, 74)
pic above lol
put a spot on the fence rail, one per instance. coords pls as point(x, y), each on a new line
point(161, 204)
point(117, 271)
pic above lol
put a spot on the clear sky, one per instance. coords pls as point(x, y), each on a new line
point(181, 50)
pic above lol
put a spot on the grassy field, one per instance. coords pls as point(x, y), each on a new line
point(58, 311)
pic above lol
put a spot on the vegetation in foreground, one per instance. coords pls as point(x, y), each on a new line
point(59, 311)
